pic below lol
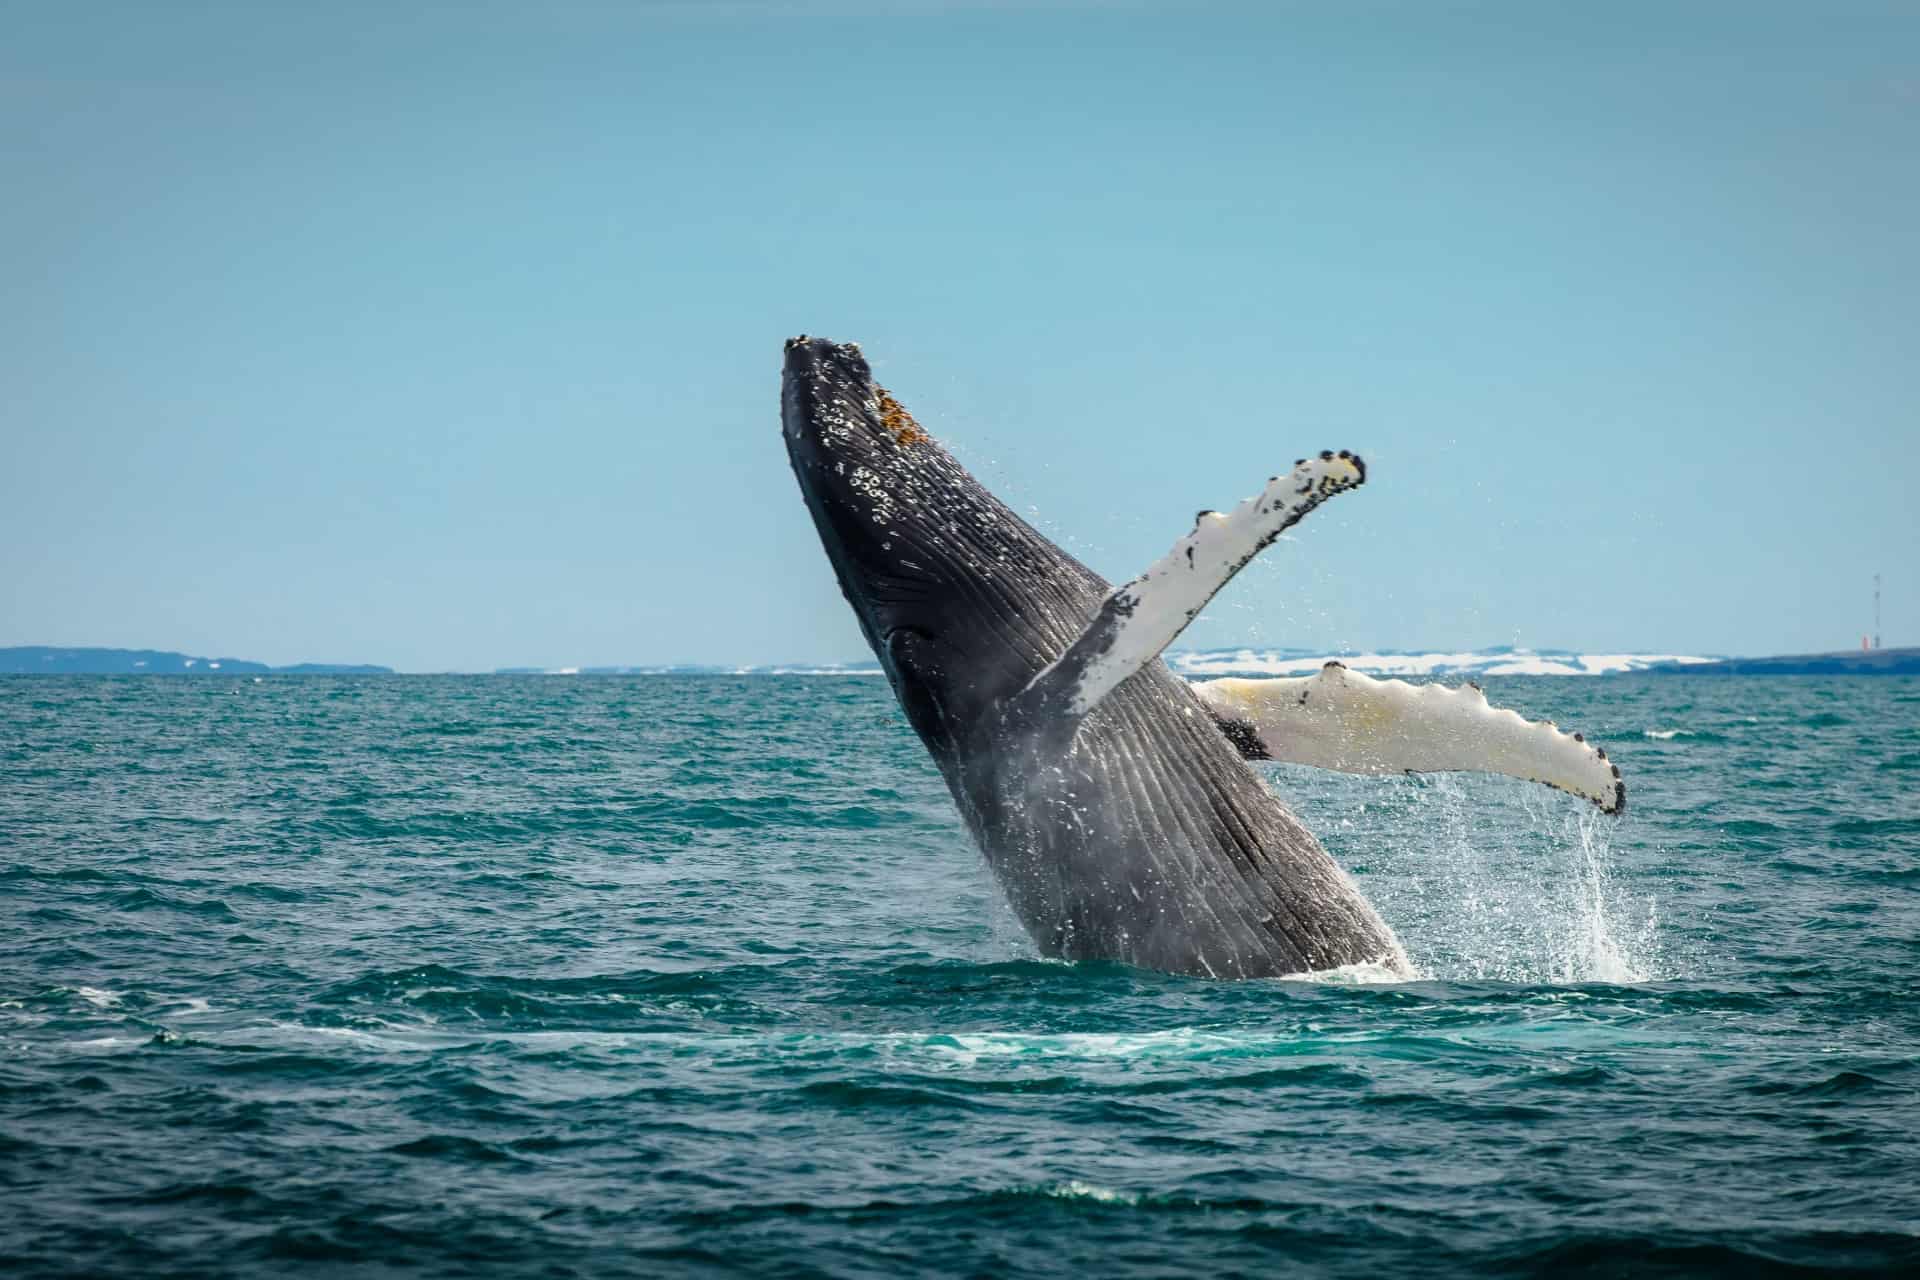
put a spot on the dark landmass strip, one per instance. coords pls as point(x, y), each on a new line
point(46, 660)
point(1854, 662)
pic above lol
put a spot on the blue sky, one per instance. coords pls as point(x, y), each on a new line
point(449, 336)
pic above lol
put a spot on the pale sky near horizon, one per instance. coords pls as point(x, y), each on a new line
point(448, 336)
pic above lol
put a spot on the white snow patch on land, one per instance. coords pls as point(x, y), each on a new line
point(1210, 663)
point(1207, 664)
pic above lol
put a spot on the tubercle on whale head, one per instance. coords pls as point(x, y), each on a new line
point(842, 367)
point(853, 445)
point(829, 385)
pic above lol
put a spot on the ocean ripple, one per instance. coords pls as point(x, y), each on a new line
point(699, 975)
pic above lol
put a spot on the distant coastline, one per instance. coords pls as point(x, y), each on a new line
point(1192, 663)
point(51, 660)
point(1847, 662)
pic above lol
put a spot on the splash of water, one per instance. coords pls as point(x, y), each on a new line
point(1489, 879)
point(1600, 946)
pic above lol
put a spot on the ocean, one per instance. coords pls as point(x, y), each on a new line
point(700, 976)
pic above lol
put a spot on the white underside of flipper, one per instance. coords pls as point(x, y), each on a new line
point(1342, 720)
point(1140, 619)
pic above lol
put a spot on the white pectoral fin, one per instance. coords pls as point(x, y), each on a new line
point(1141, 618)
point(1340, 719)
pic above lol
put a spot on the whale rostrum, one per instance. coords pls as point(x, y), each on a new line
point(1112, 799)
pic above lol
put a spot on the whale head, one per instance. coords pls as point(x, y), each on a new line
point(962, 601)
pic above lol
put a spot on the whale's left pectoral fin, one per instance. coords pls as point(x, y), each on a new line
point(1340, 719)
point(1141, 618)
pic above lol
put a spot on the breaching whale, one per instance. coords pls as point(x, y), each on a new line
point(1112, 799)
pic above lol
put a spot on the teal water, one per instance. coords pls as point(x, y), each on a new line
point(697, 976)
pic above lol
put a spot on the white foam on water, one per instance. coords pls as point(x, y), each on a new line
point(1665, 735)
point(963, 1050)
point(923, 1052)
point(1078, 1190)
point(1365, 973)
point(97, 998)
point(106, 1043)
point(400, 1039)
point(969, 1048)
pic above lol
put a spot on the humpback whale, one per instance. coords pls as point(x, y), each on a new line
point(1112, 799)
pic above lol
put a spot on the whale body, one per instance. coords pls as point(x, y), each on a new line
point(1112, 799)
point(1130, 830)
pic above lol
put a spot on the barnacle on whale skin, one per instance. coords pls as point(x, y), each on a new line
point(898, 422)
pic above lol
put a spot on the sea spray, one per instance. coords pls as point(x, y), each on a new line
point(1604, 938)
point(1486, 879)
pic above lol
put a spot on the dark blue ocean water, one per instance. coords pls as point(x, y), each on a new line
point(698, 976)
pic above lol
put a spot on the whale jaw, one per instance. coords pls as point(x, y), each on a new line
point(960, 599)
